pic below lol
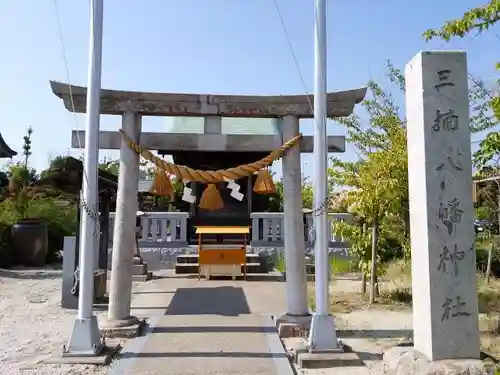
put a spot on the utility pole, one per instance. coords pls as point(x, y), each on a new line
point(85, 339)
point(322, 335)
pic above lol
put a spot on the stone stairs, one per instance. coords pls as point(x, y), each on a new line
point(188, 264)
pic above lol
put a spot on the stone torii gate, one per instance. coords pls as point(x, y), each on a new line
point(288, 109)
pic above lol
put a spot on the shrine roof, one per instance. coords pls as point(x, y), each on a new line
point(5, 150)
point(115, 102)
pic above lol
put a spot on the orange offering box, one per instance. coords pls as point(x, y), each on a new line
point(222, 259)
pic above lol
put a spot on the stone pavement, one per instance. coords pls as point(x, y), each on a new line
point(206, 327)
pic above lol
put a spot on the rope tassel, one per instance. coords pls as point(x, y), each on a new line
point(264, 183)
point(162, 185)
point(211, 199)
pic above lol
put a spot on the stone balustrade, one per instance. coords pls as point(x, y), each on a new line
point(268, 229)
point(160, 229)
point(169, 229)
point(335, 242)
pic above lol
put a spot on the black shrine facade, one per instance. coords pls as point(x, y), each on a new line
point(234, 212)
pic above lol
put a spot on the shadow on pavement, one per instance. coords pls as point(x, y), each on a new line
point(223, 300)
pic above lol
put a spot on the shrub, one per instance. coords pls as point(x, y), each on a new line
point(482, 261)
point(57, 213)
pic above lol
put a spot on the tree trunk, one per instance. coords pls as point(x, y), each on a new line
point(493, 238)
point(363, 271)
point(373, 271)
point(363, 282)
point(488, 263)
point(406, 218)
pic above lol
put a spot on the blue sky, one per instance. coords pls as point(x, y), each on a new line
point(215, 46)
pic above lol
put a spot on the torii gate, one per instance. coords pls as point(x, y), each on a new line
point(131, 106)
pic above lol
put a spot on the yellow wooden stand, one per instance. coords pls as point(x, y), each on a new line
point(222, 259)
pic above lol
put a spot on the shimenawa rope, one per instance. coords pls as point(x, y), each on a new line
point(189, 174)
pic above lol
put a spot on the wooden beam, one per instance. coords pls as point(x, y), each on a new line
point(114, 102)
point(111, 140)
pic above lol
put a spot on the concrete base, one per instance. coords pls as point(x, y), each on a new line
point(127, 328)
point(409, 361)
point(309, 276)
point(293, 325)
point(323, 335)
point(328, 359)
point(140, 269)
point(102, 359)
point(298, 350)
point(85, 340)
point(143, 278)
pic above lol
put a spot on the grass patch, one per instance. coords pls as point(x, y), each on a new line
point(280, 264)
point(398, 295)
point(340, 265)
point(488, 295)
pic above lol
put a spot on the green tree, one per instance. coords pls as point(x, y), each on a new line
point(307, 193)
point(146, 172)
point(378, 179)
point(276, 200)
point(478, 20)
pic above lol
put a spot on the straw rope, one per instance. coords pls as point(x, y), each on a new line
point(197, 175)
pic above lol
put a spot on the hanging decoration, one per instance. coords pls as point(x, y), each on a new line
point(211, 198)
point(187, 194)
point(162, 186)
point(235, 190)
point(264, 183)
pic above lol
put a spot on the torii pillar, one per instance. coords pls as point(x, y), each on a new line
point(288, 109)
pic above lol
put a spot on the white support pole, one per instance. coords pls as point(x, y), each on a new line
point(296, 282)
point(125, 228)
point(85, 337)
point(322, 335)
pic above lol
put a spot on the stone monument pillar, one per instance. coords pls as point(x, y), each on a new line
point(296, 284)
point(445, 307)
point(124, 228)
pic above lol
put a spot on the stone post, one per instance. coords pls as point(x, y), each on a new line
point(445, 307)
point(293, 227)
point(124, 228)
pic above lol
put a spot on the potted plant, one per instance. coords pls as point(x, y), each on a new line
point(29, 233)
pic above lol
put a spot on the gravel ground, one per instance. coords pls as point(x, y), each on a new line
point(33, 326)
point(372, 331)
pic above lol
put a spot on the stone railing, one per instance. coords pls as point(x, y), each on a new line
point(160, 229)
point(268, 229)
point(169, 230)
point(335, 242)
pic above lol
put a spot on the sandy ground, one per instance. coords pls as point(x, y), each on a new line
point(33, 326)
point(369, 332)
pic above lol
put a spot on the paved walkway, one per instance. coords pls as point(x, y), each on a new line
point(206, 327)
